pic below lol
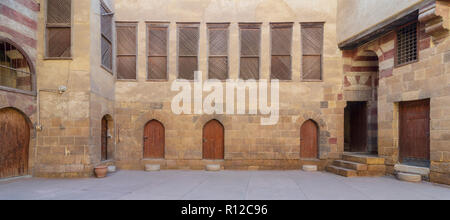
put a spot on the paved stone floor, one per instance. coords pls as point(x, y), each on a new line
point(225, 185)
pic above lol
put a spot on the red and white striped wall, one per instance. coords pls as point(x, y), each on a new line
point(18, 23)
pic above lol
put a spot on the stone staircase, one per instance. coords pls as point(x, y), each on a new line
point(355, 165)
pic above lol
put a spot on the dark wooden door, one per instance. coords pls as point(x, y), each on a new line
point(358, 126)
point(154, 140)
point(104, 138)
point(415, 131)
point(309, 147)
point(14, 143)
point(213, 141)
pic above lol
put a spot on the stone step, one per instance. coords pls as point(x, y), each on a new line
point(423, 171)
point(350, 165)
point(409, 177)
point(369, 160)
point(213, 167)
point(152, 167)
point(309, 168)
point(342, 171)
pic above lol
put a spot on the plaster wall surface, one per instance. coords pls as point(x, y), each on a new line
point(356, 16)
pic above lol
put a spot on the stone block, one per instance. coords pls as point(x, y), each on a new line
point(310, 168)
point(408, 177)
point(213, 167)
point(412, 169)
point(152, 167)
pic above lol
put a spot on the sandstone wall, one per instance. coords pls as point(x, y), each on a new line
point(428, 78)
point(63, 144)
point(247, 143)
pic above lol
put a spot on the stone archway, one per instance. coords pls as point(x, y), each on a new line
point(361, 93)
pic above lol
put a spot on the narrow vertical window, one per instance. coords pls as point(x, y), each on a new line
point(106, 35)
point(250, 51)
point(126, 50)
point(407, 44)
point(157, 51)
point(312, 45)
point(188, 40)
point(218, 51)
point(281, 51)
point(58, 28)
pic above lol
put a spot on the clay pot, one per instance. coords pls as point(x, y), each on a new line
point(101, 171)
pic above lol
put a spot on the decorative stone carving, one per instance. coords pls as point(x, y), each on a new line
point(434, 17)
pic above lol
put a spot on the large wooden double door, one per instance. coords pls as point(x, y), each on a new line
point(14, 143)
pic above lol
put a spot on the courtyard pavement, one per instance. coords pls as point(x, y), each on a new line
point(224, 185)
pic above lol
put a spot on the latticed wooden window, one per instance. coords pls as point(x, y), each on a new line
point(157, 51)
point(250, 51)
point(407, 44)
point(218, 51)
point(106, 32)
point(188, 40)
point(281, 51)
point(126, 50)
point(58, 28)
point(312, 48)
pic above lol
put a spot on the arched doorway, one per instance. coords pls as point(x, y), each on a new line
point(213, 141)
point(14, 143)
point(309, 140)
point(154, 140)
point(361, 113)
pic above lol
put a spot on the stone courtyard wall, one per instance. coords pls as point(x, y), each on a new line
point(248, 145)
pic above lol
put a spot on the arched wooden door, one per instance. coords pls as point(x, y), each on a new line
point(104, 138)
point(14, 143)
point(154, 140)
point(213, 141)
point(309, 138)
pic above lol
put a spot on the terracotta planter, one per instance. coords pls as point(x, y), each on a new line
point(101, 171)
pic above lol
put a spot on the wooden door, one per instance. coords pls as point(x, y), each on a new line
point(104, 139)
point(154, 140)
point(14, 143)
point(415, 131)
point(358, 126)
point(309, 138)
point(213, 141)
